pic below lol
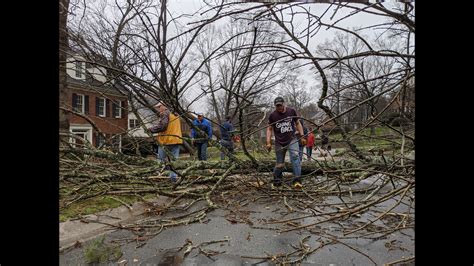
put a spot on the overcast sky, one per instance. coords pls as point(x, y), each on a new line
point(178, 7)
point(196, 7)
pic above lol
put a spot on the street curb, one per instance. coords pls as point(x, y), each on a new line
point(72, 232)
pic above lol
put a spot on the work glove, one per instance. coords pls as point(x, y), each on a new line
point(303, 141)
point(269, 147)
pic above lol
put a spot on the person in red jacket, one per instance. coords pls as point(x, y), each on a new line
point(310, 144)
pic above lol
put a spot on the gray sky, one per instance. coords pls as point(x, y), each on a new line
point(360, 19)
point(178, 7)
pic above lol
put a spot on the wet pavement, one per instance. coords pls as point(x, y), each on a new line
point(244, 235)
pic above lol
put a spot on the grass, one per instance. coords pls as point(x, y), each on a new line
point(363, 139)
point(372, 142)
point(94, 205)
point(379, 132)
point(99, 252)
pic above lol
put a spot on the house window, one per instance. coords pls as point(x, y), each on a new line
point(100, 103)
point(117, 109)
point(133, 123)
point(78, 69)
point(79, 107)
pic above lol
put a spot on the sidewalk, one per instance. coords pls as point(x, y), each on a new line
point(73, 231)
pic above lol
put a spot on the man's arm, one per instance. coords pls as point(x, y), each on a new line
point(269, 135)
point(298, 124)
point(162, 124)
point(299, 127)
point(300, 130)
point(269, 138)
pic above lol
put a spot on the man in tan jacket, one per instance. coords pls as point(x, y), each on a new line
point(169, 138)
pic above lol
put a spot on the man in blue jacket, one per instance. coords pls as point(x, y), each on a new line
point(227, 129)
point(200, 139)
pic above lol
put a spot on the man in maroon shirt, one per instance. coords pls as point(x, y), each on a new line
point(284, 122)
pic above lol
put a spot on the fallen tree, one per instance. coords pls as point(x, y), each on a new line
point(337, 190)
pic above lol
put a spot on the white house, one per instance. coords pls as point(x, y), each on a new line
point(134, 127)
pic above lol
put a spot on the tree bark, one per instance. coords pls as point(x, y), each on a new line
point(63, 48)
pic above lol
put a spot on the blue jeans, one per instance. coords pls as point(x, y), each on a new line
point(301, 152)
point(280, 153)
point(202, 151)
point(309, 151)
point(174, 151)
point(229, 145)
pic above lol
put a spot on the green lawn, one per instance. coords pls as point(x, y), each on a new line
point(379, 131)
point(384, 138)
point(94, 205)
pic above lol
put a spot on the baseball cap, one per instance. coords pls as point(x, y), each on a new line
point(278, 100)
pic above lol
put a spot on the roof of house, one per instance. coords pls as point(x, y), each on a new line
point(94, 85)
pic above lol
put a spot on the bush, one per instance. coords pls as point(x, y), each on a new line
point(396, 120)
point(145, 145)
point(400, 121)
point(388, 117)
point(336, 130)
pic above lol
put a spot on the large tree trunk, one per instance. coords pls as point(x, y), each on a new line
point(63, 46)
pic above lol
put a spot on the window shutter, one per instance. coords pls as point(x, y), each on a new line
point(107, 111)
point(86, 104)
point(97, 106)
point(114, 109)
point(95, 141)
point(124, 109)
point(74, 101)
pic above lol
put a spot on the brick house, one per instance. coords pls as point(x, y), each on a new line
point(405, 102)
point(91, 94)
